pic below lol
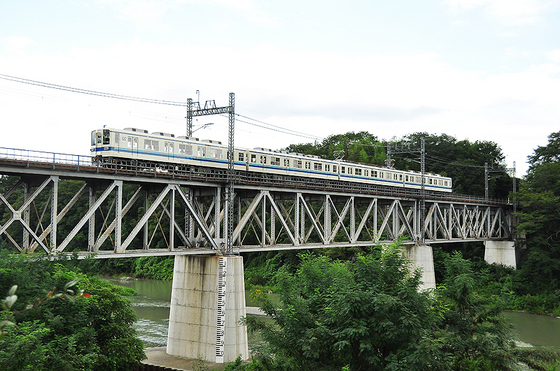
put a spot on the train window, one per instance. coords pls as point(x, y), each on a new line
point(317, 166)
point(297, 164)
point(201, 152)
point(349, 170)
point(358, 171)
point(334, 169)
point(400, 177)
point(93, 138)
point(106, 136)
point(430, 181)
point(253, 158)
point(241, 156)
point(406, 178)
point(445, 183)
point(263, 159)
point(308, 165)
point(129, 142)
point(327, 167)
point(287, 162)
point(275, 161)
point(374, 173)
point(343, 169)
point(366, 172)
point(185, 149)
point(214, 153)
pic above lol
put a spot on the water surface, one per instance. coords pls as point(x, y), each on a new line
point(153, 302)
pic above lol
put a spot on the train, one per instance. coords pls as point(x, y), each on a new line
point(131, 144)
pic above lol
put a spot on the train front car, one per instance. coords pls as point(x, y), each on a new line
point(101, 145)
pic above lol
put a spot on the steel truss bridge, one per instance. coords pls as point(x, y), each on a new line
point(60, 204)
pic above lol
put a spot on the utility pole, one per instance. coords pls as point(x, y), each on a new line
point(422, 151)
point(230, 174)
point(487, 172)
point(194, 110)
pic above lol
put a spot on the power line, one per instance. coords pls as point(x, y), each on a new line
point(263, 124)
point(276, 128)
point(90, 92)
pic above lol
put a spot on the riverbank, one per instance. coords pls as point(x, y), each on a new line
point(158, 357)
point(154, 296)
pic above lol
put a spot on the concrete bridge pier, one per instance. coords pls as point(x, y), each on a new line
point(207, 302)
point(500, 252)
point(421, 256)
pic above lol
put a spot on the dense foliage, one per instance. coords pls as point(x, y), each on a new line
point(368, 314)
point(539, 198)
point(460, 159)
point(93, 331)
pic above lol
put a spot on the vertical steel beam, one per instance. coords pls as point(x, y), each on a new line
point(230, 173)
point(26, 215)
point(328, 223)
point(91, 221)
point(54, 211)
point(296, 218)
point(146, 231)
point(118, 215)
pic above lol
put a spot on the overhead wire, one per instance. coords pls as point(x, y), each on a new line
point(257, 123)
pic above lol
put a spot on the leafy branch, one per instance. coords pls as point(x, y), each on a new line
point(10, 300)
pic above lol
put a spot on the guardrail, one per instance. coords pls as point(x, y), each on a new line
point(31, 157)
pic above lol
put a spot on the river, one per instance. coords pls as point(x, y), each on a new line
point(153, 301)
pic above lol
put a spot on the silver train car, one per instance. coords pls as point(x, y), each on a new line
point(138, 144)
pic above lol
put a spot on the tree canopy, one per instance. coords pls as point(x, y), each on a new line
point(91, 332)
point(539, 198)
point(368, 314)
point(461, 160)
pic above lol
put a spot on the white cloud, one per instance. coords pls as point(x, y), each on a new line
point(15, 45)
point(143, 12)
point(153, 12)
point(510, 12)
point(554, 55)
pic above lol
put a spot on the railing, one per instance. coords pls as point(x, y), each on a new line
point(54, 158)
point(132, 168)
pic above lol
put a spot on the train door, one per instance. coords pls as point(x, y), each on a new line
point(168, 148)
point(134, 146)
point(117, 146)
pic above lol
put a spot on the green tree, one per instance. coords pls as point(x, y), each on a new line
point(539, 198)
point(92, 332)
point(366, 314)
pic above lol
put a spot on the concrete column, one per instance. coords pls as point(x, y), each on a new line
point(500, 252)
point(206, 308)
point(421, 256)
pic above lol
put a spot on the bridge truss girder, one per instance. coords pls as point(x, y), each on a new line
point(120, 215)
point(288, 219)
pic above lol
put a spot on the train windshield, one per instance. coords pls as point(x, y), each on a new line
point(106, 136)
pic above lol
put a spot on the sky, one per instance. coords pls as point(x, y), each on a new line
point(482, 70)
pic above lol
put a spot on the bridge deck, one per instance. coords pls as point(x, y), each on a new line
point(132, 209)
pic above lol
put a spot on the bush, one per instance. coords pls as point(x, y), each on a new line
point(93, 331)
